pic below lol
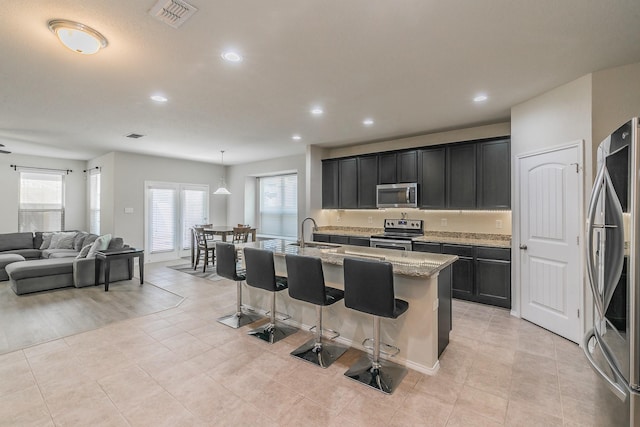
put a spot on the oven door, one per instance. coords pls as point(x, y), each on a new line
point(398, 245)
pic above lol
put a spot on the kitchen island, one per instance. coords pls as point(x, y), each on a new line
point(416, 279)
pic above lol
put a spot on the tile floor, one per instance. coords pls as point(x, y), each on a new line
point(181, 368)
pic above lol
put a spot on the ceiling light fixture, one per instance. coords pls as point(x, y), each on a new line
point(367, 122)
point(159, 98)
point(480, 98)
point(317, 111)
point(296, 137)
point(232, 56)
point(223, 185)
point(78, 37)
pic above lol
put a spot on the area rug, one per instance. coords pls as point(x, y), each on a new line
point(210, 274)
point(27, 320)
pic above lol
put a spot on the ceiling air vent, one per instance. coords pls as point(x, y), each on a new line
point(172, 12)
point(134, 135)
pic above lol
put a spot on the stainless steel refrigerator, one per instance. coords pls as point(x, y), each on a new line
point(612, 345)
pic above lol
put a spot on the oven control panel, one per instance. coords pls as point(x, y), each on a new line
point(404, 224)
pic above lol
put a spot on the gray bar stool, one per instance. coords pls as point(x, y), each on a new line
point(368, 288)
point(226, 267)
point(261, 274)
point(306, 283)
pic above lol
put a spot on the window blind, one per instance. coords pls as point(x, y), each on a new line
point(163, 219)
point(94, 202)
point(193, 212)
point(279, 205)
point(41, 206)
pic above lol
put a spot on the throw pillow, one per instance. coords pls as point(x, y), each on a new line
point(89, 239)
point(78, 242)
point(46, 240)
point(116, 243)
point(63, 240)
point(100, 244)
point(84, 251)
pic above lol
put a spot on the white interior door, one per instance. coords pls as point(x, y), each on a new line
point(550, 227)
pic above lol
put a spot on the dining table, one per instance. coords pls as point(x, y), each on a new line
point(219, 230)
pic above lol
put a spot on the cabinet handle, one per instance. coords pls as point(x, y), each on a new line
point(523, 247)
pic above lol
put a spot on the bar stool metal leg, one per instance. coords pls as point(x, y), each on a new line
point(317, 351)
point(374, 372)
point(239, 318)
point(271, 332)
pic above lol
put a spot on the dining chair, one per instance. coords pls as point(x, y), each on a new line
point(241, 234)
point(205, 249)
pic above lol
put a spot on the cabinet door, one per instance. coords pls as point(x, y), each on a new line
point(432, 178)
point(321, 237)
point(407, 166)
point(359, 241)
point(493, 282)
point(461, 176)
point(367, 181)
point(494, 175)
point(341, 240)
point(387, 168)
point(433, 248)
point(462, 278)
point(330, 184)
point(348, 184)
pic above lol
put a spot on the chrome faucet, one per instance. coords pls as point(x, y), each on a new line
point(315, 228)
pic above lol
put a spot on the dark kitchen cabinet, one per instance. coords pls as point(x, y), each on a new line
point(461, 176)
point(401, 166)
point(430, 247)
point(493, 276)
point(432, 178)
point(339, 239)
point(319, 237)
point(445, 317)
point(330, 184)
point(462, 277)
point(367, 181)
point(359, 241)
point(494, 174)
point(348, 192)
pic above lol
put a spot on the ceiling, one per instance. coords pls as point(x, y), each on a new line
point(412, 66)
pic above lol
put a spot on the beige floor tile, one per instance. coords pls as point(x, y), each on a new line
point(483, 404)
point(161, 410)
point(496, 381)
point(274, 399)
point(204, 397)
point(129, 387)
point(363, 410)
point(439, 387)
point(466, 417)
point(306, 413)
point(331, 393)
point(523, 415)
point(429, 410)
point(186, 345)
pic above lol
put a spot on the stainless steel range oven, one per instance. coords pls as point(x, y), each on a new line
point(398, 234)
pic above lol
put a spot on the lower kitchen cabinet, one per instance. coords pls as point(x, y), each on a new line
point(341, 239)
point(359, 241)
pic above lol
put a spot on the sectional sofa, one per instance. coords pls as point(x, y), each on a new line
point(39, 261)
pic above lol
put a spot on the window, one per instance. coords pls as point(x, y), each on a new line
point(279, 205)
point(41, 201)
point(162, 203)
point(194, 211)
point(94, 201)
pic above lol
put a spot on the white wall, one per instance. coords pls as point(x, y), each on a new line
point(75, 197)
point(242, 182)
point(107, 191)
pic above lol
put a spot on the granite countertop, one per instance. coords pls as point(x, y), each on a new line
point(415, 264)
point(459, 238)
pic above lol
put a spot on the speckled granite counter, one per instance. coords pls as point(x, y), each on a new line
point(416, 280)
point(458, 238)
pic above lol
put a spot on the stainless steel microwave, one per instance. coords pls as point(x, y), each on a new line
point(397, 195)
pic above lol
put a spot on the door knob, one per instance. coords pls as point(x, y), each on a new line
point(523, 247)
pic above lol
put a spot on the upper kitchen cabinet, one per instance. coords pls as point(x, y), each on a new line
point(494, 174)
point(330, 184)
point(401, 166)
point(461, 176)
point(432, 178)
point(348, 192)
point(367, 181)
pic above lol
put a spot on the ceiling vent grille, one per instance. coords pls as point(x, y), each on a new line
point(134, 135)
point(172, 12)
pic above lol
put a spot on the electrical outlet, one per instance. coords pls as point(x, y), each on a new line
point(338, 218)
point(370, 220)
point(443, 222)
point(498, 223)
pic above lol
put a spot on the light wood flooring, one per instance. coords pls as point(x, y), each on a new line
point(179, 367)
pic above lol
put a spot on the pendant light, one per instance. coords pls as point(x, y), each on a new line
point(223, 185)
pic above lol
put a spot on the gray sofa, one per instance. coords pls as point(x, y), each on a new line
point(31, 269)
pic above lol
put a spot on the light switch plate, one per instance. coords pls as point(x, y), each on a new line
point(370, 220)
point(498, 223)
point(128, 210)
point(443, 222)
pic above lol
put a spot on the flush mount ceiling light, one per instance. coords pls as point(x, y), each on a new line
point(480, 98)
point(317, 111)
point(231, 56)
point(223, 185)
point(78, 37)
point(159, 98)
point(367, 122)
point(296, 137)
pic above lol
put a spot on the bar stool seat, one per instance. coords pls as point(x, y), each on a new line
point(226, 266)
point(306, 283)
point(368, 287)
point(261, 274)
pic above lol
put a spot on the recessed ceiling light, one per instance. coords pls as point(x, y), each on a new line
point(296, 137)
point(317, 111)
point(367, 122)
point(159, 98)
point(480, 98)
point(231, 56)
point(78, 37)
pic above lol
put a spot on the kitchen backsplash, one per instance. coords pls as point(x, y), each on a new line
point(491, 222)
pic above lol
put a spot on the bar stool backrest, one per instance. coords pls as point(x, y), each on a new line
point(226, 260)
point(261, 272)
point(306, 279)
point(368, 287)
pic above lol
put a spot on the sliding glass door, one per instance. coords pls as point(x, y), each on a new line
point(171, 210)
